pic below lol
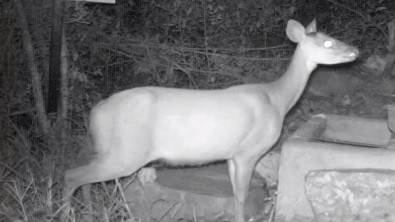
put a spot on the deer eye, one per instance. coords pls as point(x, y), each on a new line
point(328, 43)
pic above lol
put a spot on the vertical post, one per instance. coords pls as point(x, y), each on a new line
point(53, 84)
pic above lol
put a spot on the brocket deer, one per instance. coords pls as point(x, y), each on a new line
point(238, 124)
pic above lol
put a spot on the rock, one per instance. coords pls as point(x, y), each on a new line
point(329, 83)
point(380, 64)
point(376, 64)
point(363, 195)
point(146, 175)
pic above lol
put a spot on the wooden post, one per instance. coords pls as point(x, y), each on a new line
point(54, 64)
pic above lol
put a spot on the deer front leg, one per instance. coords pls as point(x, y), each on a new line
point(240, 172)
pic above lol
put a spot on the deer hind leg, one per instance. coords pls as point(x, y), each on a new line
point(106, 166)
point(101, 169)
point(131, 152)
point(86, 198)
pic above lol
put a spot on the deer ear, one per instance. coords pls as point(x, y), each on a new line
point(312, 27)
point(295, 31)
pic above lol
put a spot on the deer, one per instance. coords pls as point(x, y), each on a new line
point(238, 124)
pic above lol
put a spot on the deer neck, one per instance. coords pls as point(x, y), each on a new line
point(286, 91)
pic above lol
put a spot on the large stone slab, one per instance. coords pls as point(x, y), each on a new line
point(203, 193)
point(302, 154)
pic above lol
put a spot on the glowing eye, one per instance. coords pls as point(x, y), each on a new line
point(328, 43)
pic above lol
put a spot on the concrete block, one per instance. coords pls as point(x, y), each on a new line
point(302, 154)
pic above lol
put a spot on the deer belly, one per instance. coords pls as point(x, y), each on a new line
point(198, 141)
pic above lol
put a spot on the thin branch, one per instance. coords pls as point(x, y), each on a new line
point(64, 91)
